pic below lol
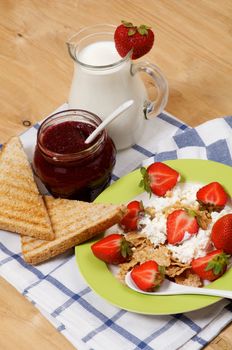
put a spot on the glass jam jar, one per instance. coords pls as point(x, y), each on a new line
point(67, 166)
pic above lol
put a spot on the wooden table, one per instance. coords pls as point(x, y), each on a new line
point(193, 48)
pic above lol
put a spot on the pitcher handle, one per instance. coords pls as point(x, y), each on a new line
point(156, 106)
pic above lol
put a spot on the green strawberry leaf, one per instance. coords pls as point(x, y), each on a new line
point(191, 212)
point(161, 270)
point(210, 265)
point(144, 26)
point(143, 171)
point(131, 31)
point(217, 269)
point(142, 31)
point(147, 187)
point(145, 182)
point(127, 24)
point(218, 263)
point(141, 184)
point(126, 250)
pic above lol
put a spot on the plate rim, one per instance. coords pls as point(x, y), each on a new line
point(135, 302)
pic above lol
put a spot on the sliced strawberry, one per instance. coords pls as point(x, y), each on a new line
point(212, 196)
point(130, 220)
point(178, 223)
point(158, 178)
point(113, 249)
point(221, 234)
point(148, 275)
point(137, 206)
point(211, 266)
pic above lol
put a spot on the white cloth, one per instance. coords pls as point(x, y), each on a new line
point(58, 290)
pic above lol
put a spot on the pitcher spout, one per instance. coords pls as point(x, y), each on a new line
point(88, 35)
point(71, 48)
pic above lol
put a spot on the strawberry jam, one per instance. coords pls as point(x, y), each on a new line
point(67, 166)
point(67, 137)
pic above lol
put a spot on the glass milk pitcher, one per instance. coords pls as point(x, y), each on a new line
point(103, 80)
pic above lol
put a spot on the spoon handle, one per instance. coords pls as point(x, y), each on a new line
point(208, 291)
point(196, 291)
point(109, 119)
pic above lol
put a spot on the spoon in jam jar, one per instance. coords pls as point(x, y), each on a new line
point(116, 113)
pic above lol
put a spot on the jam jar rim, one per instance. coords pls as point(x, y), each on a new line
point(75, 155)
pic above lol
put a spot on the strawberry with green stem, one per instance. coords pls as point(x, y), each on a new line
point(212, 266)
point(158, 178)
point(128, 37)
point(130, 220)
point(148, 275)
point(212, 197)
point(112, 249)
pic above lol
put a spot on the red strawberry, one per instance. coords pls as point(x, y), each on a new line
point(112, 249)
point(212, 196)
point(158, 178)
point(211, 266)
point(130, 220)
point(148, 275)
point(179, 222)
point(221, 234)
point(128, 37)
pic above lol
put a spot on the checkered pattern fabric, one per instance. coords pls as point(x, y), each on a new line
point(58, 290)
point(211, 140)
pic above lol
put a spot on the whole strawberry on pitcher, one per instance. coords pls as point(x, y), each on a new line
point(105, 76)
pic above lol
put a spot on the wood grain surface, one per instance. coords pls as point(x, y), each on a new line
point(193, 47)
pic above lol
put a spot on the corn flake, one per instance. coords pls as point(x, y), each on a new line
point(189, 279)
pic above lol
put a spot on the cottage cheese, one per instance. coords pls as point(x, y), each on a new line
point(155, 229)
point(192, 246)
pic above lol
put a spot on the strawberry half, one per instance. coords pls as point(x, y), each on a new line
point(179, 222)
point(130, 220)
point(128, 37)
point(211, 266)
point(212, 197)
point(148, 275)
point(112, 249)
point(221, 234)
point(158, 178)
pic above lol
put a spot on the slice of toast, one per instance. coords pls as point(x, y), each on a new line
point(22, 209)
point(73, 222)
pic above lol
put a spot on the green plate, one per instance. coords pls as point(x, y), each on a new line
point(102, 281)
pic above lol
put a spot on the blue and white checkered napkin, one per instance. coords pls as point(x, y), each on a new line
point(61, 294)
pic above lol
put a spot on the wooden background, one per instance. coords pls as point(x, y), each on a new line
point(193, 47)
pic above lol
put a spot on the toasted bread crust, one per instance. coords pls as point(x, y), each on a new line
point(22, 209)
point(68, 233)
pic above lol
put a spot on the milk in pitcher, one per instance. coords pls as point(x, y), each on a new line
point(102, 81)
